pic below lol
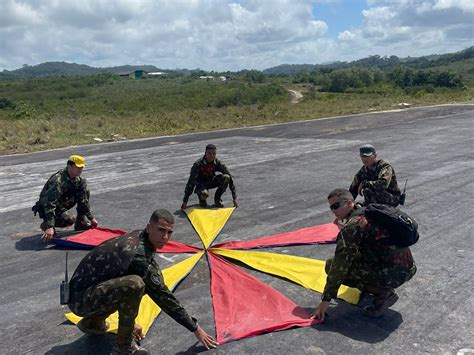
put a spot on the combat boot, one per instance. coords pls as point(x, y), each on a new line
point(93, 325)
point(382, 302)
point(202, 203)
point(131, 349)
point(126, 344)
point(218, 204)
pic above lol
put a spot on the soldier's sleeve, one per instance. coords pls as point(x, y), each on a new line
point(82, 198)
point(355, 185)
point(49, 202)
point(223, 169)
point(193, 175)
point(347, 248)
point(163, 297)
point(383, 179)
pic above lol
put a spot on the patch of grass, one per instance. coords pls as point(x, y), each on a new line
point(55, 112)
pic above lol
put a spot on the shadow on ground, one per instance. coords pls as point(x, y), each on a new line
point(349, 321)
point(87, 344)
point(35, 243)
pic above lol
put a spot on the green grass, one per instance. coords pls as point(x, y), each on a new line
point(48, 113)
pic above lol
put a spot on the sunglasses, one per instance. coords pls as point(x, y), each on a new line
point(336, 205)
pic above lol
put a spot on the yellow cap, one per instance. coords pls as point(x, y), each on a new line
point(79, 161)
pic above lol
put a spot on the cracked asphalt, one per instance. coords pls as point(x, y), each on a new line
point(283, 174)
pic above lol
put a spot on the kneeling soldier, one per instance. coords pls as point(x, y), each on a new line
point(63, 191)
point(376, 180)
point(203, 177)
point(116, 274)
point(363, 259)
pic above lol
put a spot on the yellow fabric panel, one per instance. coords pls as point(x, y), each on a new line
point(306, 272)
point(208, 222)
point(148, 309)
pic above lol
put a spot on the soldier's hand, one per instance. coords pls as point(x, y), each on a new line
point(360, 188)
point(235, 203)
point(48, 234)
point(320, 310)
point(205, 339)
point(94, 223)
point(183, 206)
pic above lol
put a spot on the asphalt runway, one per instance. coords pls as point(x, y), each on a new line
point(283, 174)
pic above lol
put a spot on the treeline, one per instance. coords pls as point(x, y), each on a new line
point(376, 61)
point(343, 80)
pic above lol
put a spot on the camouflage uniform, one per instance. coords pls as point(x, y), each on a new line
point(379, 184)
point(203, 177)
point(115, 275)
point(60, 194)
point(363, 259)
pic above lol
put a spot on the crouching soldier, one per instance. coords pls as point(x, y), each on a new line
point(63, 191)
point(116, 274)
point(203, 177)
point(376, 180)
point(363, 259)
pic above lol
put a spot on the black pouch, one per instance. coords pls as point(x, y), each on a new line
point(35, 208)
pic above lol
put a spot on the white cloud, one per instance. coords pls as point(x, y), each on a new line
point(346, 36)
point(221, 34)
point(211, 34)
point(412, 28)
point(464, 5)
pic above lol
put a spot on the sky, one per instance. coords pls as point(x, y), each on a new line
point(230, 35)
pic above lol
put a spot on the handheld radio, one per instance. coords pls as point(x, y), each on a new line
point(64, 288)
point(403, 195)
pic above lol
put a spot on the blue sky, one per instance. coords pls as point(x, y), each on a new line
point(340, 16)
point(228, 34)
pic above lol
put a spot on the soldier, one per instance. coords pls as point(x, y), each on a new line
point(63, 191)
point(363, 260)
point(376, 180)
point(116, 274)
point(203, 177)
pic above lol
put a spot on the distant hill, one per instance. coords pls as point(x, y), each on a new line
point(69, 69)
point(465, 56)
point(376, 61)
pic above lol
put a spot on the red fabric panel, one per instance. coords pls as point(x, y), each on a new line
point(324, 233)
point(245, 306)
point(93, 237)
point(175, 247)
point(89, 238)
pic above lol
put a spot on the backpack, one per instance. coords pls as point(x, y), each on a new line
point(403, 229)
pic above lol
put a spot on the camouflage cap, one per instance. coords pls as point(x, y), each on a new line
point(78, 160)
point(366, 150)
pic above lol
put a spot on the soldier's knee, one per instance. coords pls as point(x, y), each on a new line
point(203, 194)
point(225, 178)
point(65, 220)
point(136, 283)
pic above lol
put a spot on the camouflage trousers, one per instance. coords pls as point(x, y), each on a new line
point(219, 181)
point(382, 197)
point(122, 294)
point(62, 218)
point(363, 274)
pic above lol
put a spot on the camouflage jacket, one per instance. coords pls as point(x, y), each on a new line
point(202, 173)
point(356, 241)
point(129, 254)
point(380, 178)
point(62, 192)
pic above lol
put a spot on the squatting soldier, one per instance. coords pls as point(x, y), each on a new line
point(376, 180)
point(116, 274)
point(63, 191)
point(363, 260)
point(203, 177)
